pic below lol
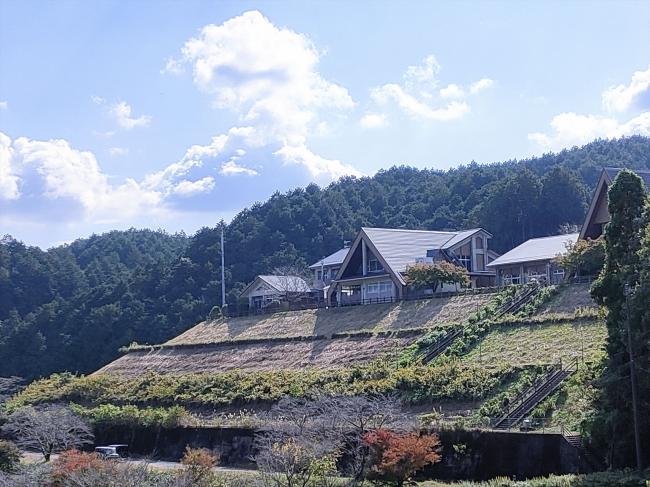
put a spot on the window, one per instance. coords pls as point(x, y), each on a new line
point(374, 265)
point(464, 255)
point(325, 274)
point(479, 242)
point(319, 277)
point(480, 262)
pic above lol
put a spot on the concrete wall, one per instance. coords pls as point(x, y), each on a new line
point(487, 454)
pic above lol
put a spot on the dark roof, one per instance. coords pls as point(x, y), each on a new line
point(332, 259)
point(644, 174)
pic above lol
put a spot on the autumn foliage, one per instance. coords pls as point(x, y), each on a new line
point(396, 457)
point(75, 462)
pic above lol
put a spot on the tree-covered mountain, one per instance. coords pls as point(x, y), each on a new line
point(72, 307)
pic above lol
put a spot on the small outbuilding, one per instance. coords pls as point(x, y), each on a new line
point(276, 291)
point(533, 260)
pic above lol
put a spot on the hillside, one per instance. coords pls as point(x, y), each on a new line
point(72, 307)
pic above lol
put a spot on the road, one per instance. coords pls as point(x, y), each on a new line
point(33, 457)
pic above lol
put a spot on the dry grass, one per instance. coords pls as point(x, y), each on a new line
point(568, 299)
point(426, 313)
point(540, 343)
point(292, 355)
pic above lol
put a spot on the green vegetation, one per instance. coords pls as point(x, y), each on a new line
point(72, 307)
point(540, 344)
point(623, 287)
point(623, 478)
point(584, 258)
point(430, 276)
point(450, 381)
point(107, 415)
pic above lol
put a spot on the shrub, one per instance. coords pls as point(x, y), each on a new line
point(9, 456)
point(199, 463)
point(396, 457)
point(74, 463)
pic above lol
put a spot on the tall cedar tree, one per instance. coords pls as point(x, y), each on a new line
point(613, 428)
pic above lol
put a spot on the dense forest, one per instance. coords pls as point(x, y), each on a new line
point(73, 306)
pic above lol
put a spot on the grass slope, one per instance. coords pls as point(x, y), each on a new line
point(426, 313)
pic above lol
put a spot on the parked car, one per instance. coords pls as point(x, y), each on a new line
point(112, 452)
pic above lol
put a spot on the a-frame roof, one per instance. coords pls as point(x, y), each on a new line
point(604, 182)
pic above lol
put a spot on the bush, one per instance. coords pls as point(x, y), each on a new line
point(9, 456)
point(395, 457)
point(199, 463)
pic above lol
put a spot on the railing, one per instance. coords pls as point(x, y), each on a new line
point(541, 388)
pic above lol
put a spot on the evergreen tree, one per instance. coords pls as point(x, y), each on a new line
point(624, 250)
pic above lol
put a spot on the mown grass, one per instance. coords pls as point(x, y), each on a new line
point(539, 343)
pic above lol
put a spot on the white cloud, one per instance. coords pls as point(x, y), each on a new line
point(4, 105)
point(480, 85)
point(268, 77)
point(121, 111)
point(452, 91)
point(52, 170)
point(570, 129)
point(416, 108)
point(190, 188)
point(118, 151)
point(317, 165)
point(231, 168)
point(419, 96)
point(8, 180)
point(620, 98)
point(373, 120)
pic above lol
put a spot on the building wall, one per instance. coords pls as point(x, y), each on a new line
point(523, 273)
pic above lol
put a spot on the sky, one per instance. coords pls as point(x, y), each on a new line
point(174, 115)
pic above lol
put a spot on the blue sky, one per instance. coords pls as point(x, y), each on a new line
point(177, 114)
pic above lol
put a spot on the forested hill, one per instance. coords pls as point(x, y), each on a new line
point(72, 307)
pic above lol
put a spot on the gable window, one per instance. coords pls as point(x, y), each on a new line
point(479, 242)
point(373, 264)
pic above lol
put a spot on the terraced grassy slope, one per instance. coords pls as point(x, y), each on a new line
point(426, 313)
point(540, 343)
point(568, 300)
point(262, 356)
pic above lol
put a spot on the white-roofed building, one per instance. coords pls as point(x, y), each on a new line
point(267, 291)
point(373, 267)
point(533, 259)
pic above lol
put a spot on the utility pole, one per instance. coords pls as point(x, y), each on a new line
point(635, 413)
point(223, 270)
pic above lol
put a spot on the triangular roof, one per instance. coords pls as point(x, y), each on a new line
point(536, 249)
point(280, 283)
point(332, 259)
point(607, 176)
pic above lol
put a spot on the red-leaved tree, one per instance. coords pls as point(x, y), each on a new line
point(395, 457)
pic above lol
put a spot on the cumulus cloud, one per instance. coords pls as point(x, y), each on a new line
point(3, 105)
point(316, 164)
point(373, 120)
point(121, 112)
point(621, 98)
point(54, 171)
point(419, 97)
point(268, 78)
point(8, 180)
point(570, 129)
point(231, 168)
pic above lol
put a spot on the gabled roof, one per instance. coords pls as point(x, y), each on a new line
point(606, 178)
point(281, 284)
point(536, 249)
point(399, 248)
point(332, 259)
point(612, 172)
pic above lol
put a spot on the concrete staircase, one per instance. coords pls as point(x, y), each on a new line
point(595, 463)
point(441, 344)
point(526, 401)
point(520, 300)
